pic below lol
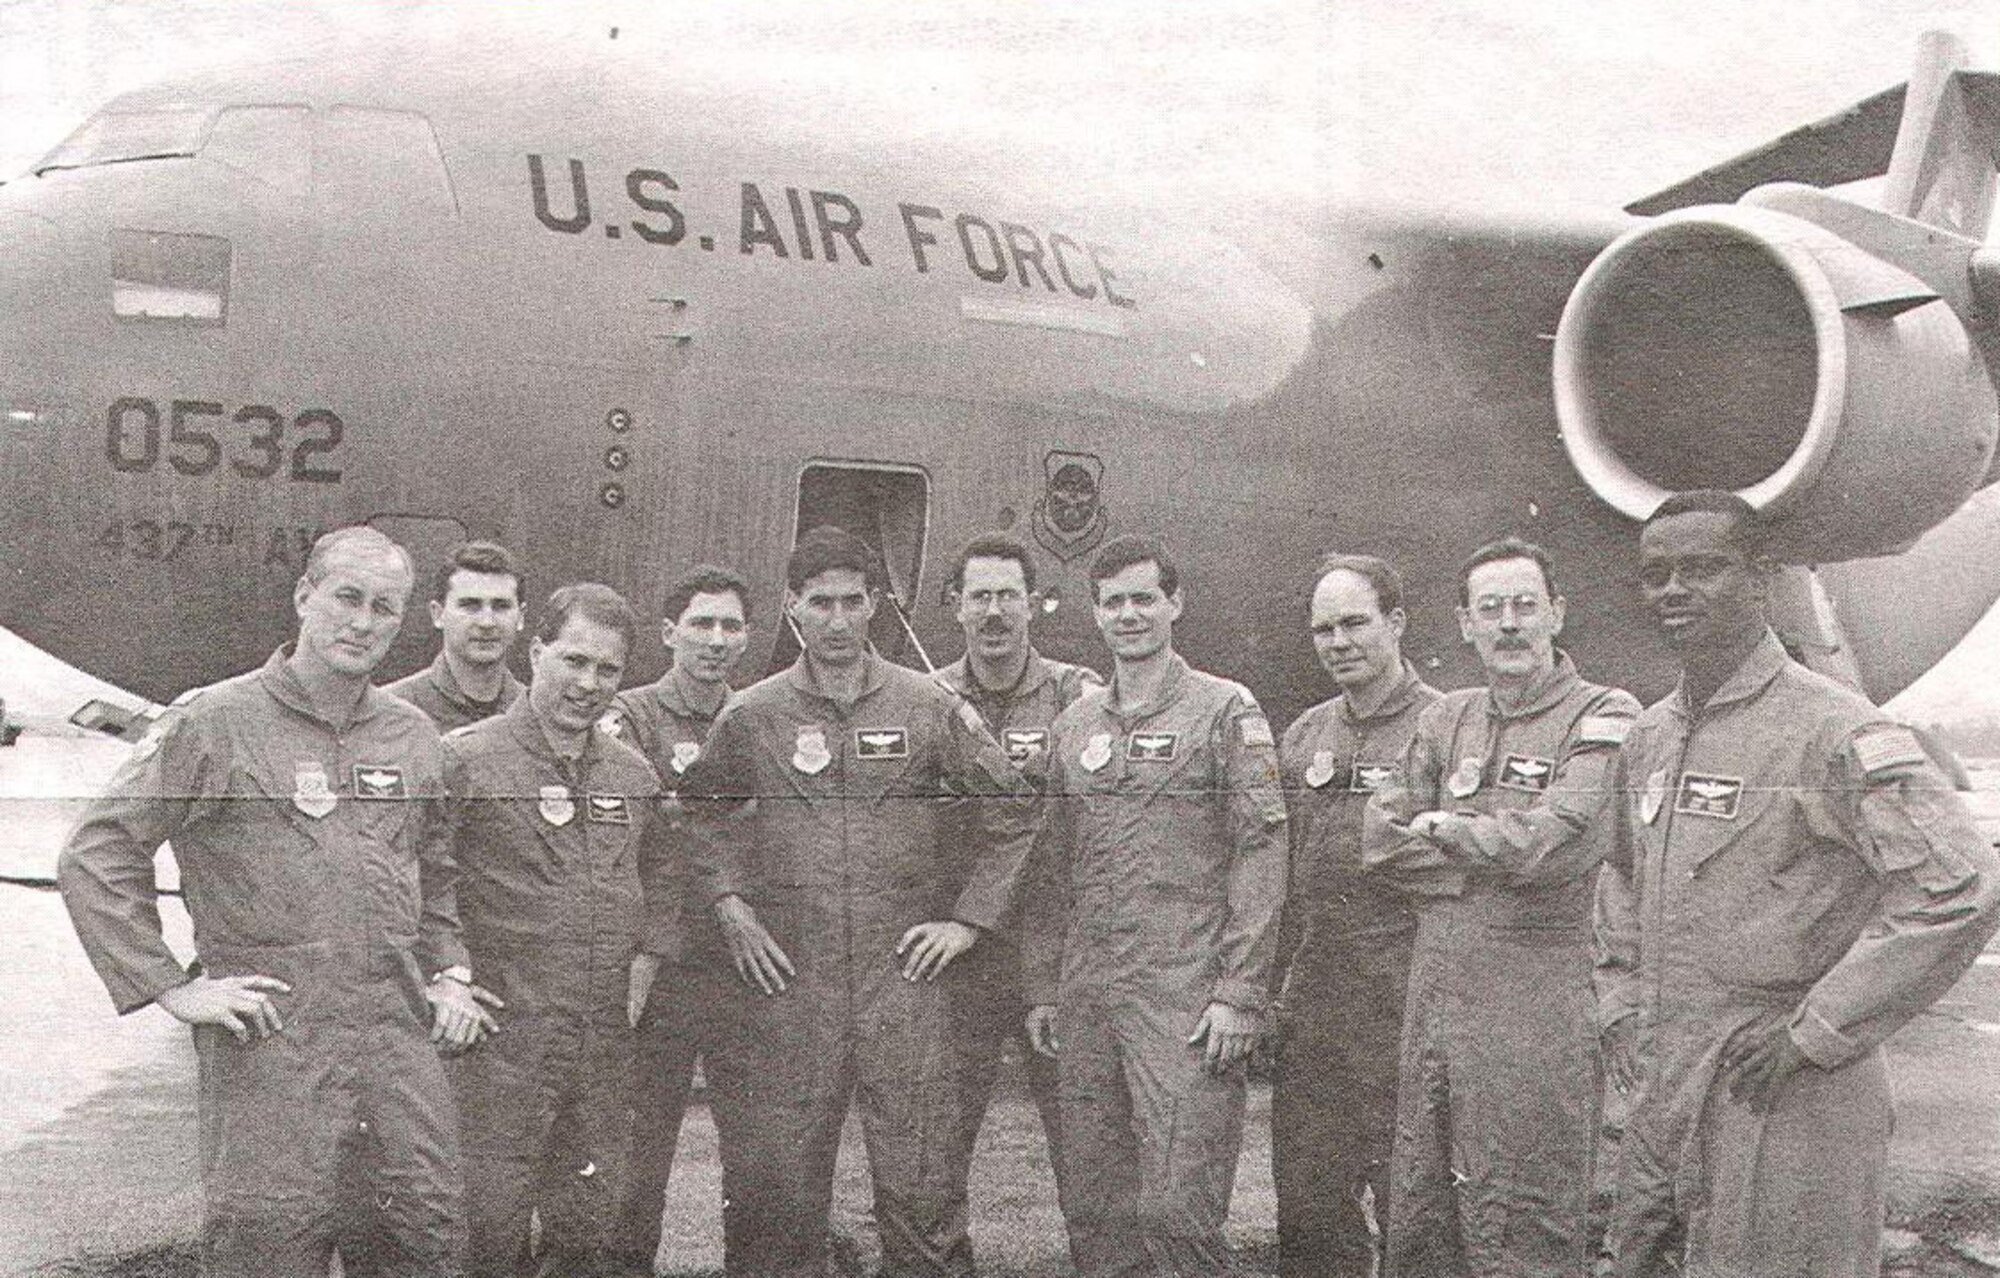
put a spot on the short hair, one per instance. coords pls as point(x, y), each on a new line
point(1746, 523)
point(1506, 548)
point(705, 579)
point(824, 549)
point(1380, 574)
point(353, 539)
point(593, 602)
point(994, 546)
point(475, 556)
point(1124, 552)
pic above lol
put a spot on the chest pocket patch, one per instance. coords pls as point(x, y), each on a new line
point(1706, 795)
point(872, 744)
point(610, 809)
point(1370, 777)
point(1525, 772)
point(1023, 744)
point(1152, 747)
point(379, 781)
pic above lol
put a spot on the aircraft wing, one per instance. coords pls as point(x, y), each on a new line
point(1847, 146)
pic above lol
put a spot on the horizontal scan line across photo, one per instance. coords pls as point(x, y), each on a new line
point(810, 638)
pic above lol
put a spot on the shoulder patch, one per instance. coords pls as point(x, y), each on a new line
point(1603, 729)
point(1887, 746)
point(1255, 730)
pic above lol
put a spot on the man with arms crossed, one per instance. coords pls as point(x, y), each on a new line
point(819, 845)
point(1794, 880)
point(1345, 956)
point(706, 629)
point(1019, 693)
point(302, 806)
point(476, 605)
point(1500, 817)
point(1160, 877)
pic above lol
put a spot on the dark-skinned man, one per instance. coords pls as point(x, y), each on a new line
point(1500, 817)
point(1345, 944)
point(706, 629)
point(1795, 879)
point(566, 897)
point(1159, 876)
point(1019, 693)
point(476, 607)
point(819, 811)
point(303, 809)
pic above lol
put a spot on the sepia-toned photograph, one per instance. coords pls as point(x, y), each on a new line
point(827, 638)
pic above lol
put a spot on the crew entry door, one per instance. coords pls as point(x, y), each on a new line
point(887, 505)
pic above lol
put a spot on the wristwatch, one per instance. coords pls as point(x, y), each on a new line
point(456, 972)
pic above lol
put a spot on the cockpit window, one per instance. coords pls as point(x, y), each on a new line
point(162, 275)
point(114, 137)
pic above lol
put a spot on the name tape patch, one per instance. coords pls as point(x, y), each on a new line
point(1704, 794)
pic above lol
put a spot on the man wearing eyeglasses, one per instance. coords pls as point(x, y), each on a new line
point(1498, 821)
point(1019, 693)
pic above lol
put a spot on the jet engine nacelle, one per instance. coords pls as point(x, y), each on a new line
point(1742, 348)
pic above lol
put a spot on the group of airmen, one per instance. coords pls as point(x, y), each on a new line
point(462, 942)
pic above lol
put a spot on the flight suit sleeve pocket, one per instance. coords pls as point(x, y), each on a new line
point(1921, 829)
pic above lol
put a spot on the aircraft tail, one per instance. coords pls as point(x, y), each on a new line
point(1932, 140)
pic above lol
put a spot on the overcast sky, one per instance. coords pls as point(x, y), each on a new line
point(1202, 102)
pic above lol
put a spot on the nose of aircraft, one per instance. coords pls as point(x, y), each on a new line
point(33, 412)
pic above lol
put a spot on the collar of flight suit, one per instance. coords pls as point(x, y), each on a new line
point(800, 676)
point(1408, 681)
point(277, 679)
point(1765, 663)
point(1170, 687)
point(447, 685)
point(526, 727)
point(1037, 674)
point(667, 690)
point(1546, 692)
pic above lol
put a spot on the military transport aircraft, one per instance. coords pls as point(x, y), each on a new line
point(621, 332)
point(621, 326)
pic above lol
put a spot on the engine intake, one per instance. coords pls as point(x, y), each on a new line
point(1741, 348)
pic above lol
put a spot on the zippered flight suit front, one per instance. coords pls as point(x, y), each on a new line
point(1499, 1086)
point(1162, 869)
point(565, 878)
point(1787, 855)
point(1345, 965)
point(312, 854)
point(831, 820)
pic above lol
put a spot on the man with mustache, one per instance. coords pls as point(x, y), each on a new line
point(1347, 935)
point(1498, 821)
point(476, 606)
point(820, 849)
point(706, 629)
point(1019, 693)
point(302, 804)
point(568, 903)
point(1794, 880)
point(1160, 876)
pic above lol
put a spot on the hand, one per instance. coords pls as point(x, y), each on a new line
point(639, 984)
point(240, 1004)
point(929, 948)
point(1230, 1034)
point(1041, 1028)
point(459, 1015)
point(1621, 1054)
point(1759, 1059)
point(759, 959)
